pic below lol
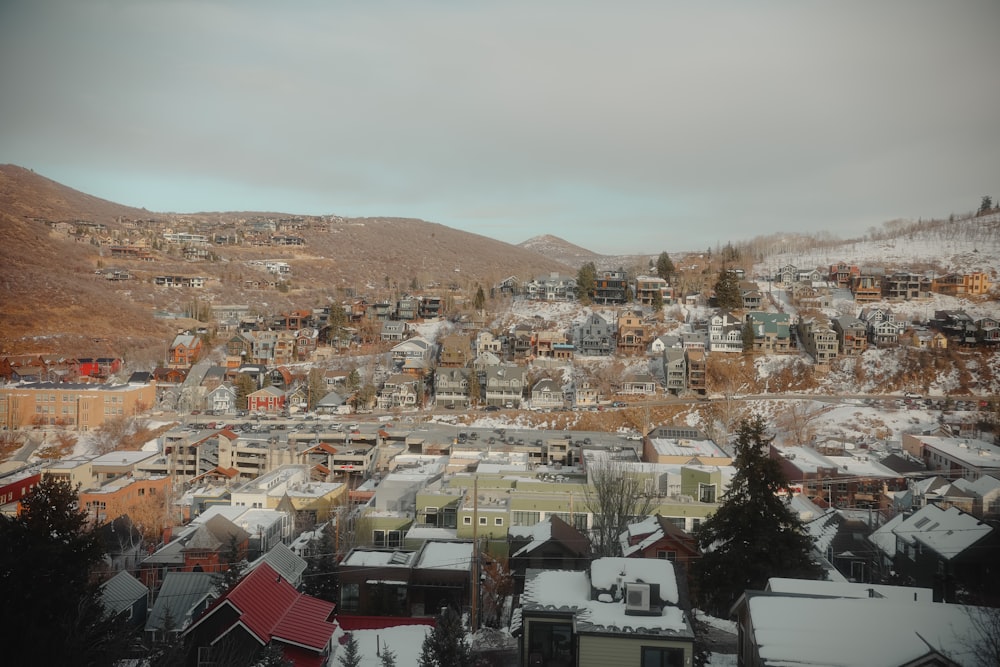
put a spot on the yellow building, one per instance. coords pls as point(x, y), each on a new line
point(81, 406)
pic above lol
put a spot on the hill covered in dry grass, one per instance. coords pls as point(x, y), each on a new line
point(54, 302)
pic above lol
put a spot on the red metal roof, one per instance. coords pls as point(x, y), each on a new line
point(307, 622)
point(270, 607)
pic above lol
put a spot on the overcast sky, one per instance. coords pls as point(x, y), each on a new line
point(619, 126)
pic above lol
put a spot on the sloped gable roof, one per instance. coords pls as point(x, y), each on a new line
point(270, 608)
point(948, 532)
point(216, 533)
point(179, 594)
point(120, 592)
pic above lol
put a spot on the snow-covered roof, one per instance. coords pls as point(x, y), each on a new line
point(687, 447)
point(553, 590)
point(848, 589)
point(445, 556)
point(948, 532)
point(844, 632)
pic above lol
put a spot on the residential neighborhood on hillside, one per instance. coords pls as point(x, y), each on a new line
point(422, 457)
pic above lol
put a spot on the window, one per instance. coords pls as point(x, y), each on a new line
point(662, 657)
point(482, 521)
point(350, 599)
point(666, 555)
point(524, 518)
point(467, 520)
point(498, 521)
point(378, 538)
point(706, 493)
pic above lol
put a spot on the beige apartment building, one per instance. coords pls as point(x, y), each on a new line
point(80, 406)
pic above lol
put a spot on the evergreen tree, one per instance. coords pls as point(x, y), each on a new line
point(53, 612)
point(445, 645)
point(475, 390)
point(320, 578)
point(665, 266)
point(986, 205)
point(336, 323)
point(351, 656)
point(748, 337)
point(480, 300)
point(245, 386)
point(388, 657)
point(586, 282)
point(754, 535)
point(354, 380)
point(234, 564)
point(317, 388)
point(727, 291)
point(657, 301)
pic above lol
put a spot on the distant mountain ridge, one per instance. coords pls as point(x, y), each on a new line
point(54, 302)
point(576, 256)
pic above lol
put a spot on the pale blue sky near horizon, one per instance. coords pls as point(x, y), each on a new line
point(625, 127)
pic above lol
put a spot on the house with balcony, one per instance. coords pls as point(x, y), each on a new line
point(905, 286)
point(611, 287)
point(867, 287)
point(552, 345)
point(400, 391)
point(842, 274)
point(649, 288)
point(818, 339)
point(551, 287)
point(957, 325)
point(632, 334)
point(596, 336)
point(852, 335)
point(771, 332)
point(452, 388)
point(675, 370)
point(697, 369)
point(505, 385)
point(882, 327)
point(547, 394)
point(725, 333)
point(638, 384)
point(455, 351)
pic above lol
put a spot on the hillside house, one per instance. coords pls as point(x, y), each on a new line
point(852, 335)
point(632, 334)
point(611, 287)
point(725, 333)
point(771, 332)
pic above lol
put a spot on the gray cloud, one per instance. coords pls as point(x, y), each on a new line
point(620, 128)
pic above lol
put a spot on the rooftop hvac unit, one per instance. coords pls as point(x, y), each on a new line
point(636, 597)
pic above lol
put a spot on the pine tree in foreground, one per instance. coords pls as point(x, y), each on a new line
point(351, 657)
point(445, 645)
point(754, 535)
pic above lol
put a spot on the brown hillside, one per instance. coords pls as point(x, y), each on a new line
point(54, 302)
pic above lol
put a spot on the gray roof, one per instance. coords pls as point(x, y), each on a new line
point(180, 595)
point(284, 561)
point(120, 592)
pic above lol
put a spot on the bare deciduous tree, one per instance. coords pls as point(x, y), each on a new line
point(797, 421)
point(616, 495)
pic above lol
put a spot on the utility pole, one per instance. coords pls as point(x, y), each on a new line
point(475, 552)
